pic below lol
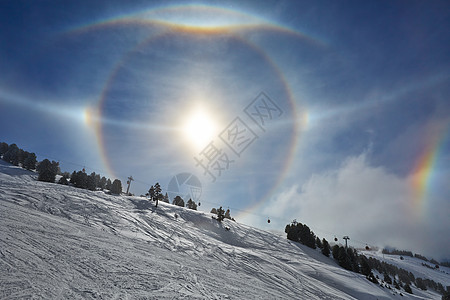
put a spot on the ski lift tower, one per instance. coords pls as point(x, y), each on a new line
point(129, 183)
point(346, 238)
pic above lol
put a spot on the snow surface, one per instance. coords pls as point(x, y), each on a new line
point(413, 265)
point(60, 242)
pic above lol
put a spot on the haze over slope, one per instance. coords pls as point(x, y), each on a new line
point(62, 242)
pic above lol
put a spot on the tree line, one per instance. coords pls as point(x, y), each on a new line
point(351, 260)
point(416, 255)
point(48, 170)
point(17, 156)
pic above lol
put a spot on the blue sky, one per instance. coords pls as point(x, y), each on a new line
point(359, 92)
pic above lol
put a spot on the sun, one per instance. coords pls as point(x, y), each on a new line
point(199, 128)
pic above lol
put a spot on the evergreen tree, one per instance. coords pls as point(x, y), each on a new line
point(108, 184)
point(191, 204)
point(21, 155)
point(90, 182)
point(365, 267)
point(343, 259)
point(73, 178)
point(408, 289)
point(386, 278)
point(116, 187)
point(306, 236)
point(3, 148)
point(292, 232)
point(102, 183)
point(178, 201)
point(326, 247)
point(11, 155)
point(79, 180)
point(421, 284)
point(157, 193)
point(335, 251)
point(372, 278)
point(151, 193)
point(47, 170)
point(97, 180)
point(354, 260)
point(220, 214)
point(228, 214)
point(64, 179)
point(319, 243)
point(30, 161)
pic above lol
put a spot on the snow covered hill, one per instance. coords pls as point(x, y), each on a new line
point(60, 242)
point(413, 265)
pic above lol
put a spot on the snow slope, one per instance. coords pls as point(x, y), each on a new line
point(60, 242)
point(413, 265)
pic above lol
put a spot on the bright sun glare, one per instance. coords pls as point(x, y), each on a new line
point(199, 128)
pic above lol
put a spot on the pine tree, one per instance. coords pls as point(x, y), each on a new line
point(365, 267)
point(97, 180)
point(178, 201)
point(343, 259)
point(116, 187)
point(108, 184)
point(102, 183)
point(386, 278)
point(335, 252)
point(191, 205)
point(408, 289)
point(47, 170)
point(3, 148)
point(421, 284)
point(21, 155)
point(63, 180)
point(326, 247)
point(90, 182)
point(80, 180)
point(319, 243)
point(73, 178)
point(151, 193)
point(353, 257)
point(30, 161)
point(220, 214)
point(11, 155)
point(157, 193)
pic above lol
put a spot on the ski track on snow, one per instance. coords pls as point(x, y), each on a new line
point(60, 242)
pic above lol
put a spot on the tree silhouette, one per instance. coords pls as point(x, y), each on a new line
point(116, 187)
point(47, 170)
point(220, 214)
point(191, 204)
point(178, 201)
